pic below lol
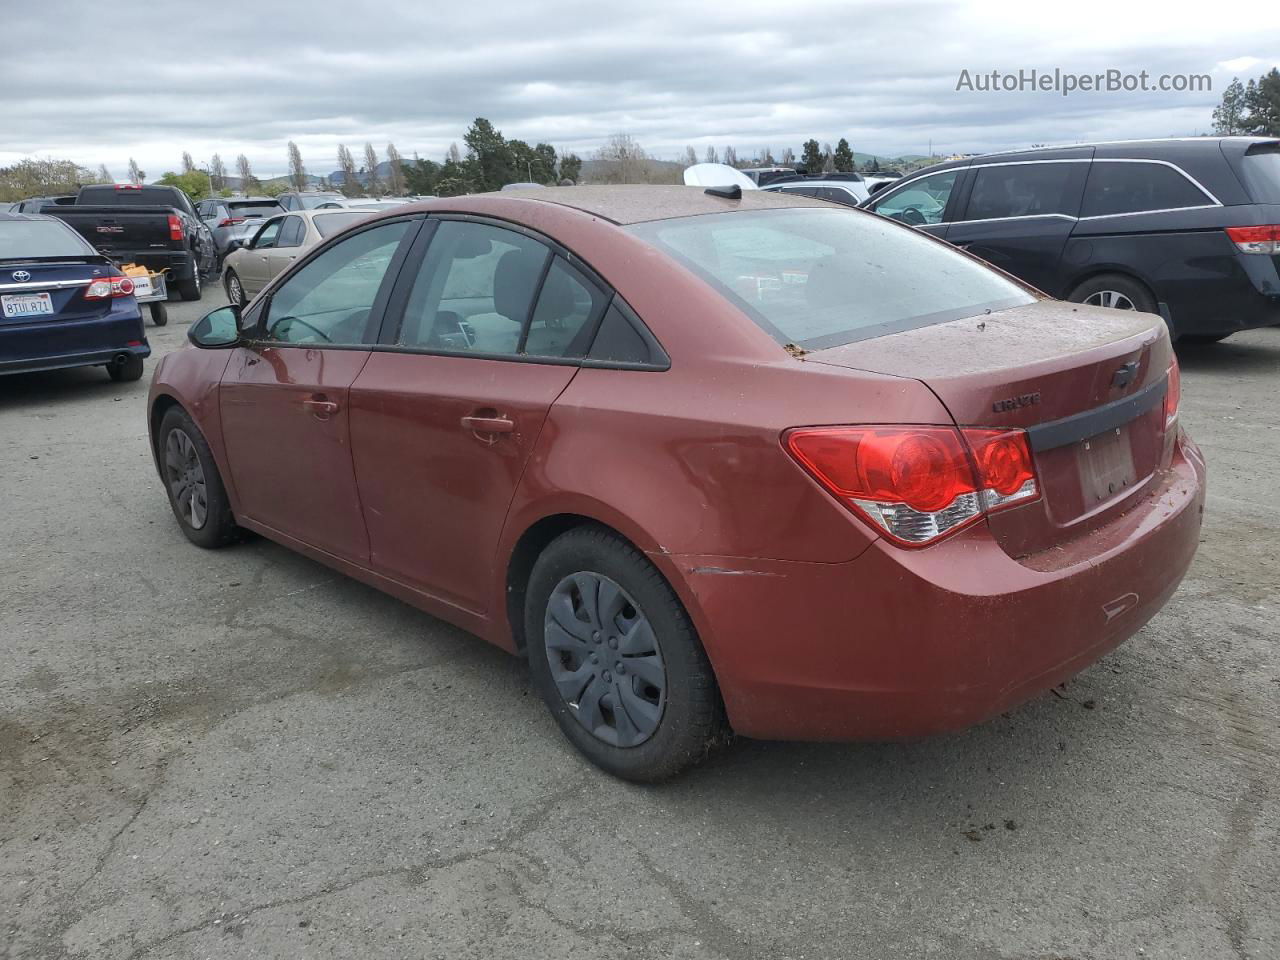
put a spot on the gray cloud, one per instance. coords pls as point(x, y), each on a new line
point(250, 76)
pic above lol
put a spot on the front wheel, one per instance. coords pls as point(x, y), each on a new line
point(615, 657)
point(191, 478)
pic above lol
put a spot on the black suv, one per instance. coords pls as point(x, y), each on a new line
point(1188, 229)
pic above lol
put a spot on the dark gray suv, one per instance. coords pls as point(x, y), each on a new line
point(235, 218)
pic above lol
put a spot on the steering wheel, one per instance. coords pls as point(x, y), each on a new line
point(292, 320)
point(912, 216)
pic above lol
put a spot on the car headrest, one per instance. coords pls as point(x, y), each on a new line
point(513, 281)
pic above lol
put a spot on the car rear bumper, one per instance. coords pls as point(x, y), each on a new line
point(58, 344)
point(902, 643)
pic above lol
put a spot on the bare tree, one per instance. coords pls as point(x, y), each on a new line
point(454, 155)
point(788, 157)
point(766, 157)
point(217, 173)
point(395, 175)
point(297, 172)
point(371, 168)
point(248, 182)
point(188, 165)
point(731, 156)
point(136, 176)
point(347, 164)
point(690, 156)
point(623, 160)
point(104, 175)
point(711, 156)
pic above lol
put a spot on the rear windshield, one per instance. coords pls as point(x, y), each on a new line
point(1262, 175)
point(310, 201)
point(327, 224)
point(139, 197)
point(820, 278)
point(254, 208)
point(40, 239)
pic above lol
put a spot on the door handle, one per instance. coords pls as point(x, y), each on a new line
point(320, 408)
point(495, 424)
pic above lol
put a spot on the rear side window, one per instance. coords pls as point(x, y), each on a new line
point(567, 306)
point(35, 239)
point(1020, 190)
point(820, 277)
point(292, 232)
point(1123, 187)
point(618, 340)
point(1261, 170)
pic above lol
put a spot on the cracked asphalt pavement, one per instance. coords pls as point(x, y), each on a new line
point(243, 754)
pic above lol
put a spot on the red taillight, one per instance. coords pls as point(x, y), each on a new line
point(109, 288)
point(1265, 240)
point(175, 227)
point(918, 484)
point(1172, 395)
point(230, 221)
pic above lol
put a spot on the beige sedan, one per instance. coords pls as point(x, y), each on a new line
point(277, 244)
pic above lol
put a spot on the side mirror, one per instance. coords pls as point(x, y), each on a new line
point(877, 187)
point(216, 330)
point(234, 244)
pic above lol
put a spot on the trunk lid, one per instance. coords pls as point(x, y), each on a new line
point(1085, 382)
point(120, 231)
point(63, 280)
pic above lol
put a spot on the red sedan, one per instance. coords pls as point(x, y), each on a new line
point(710, 462)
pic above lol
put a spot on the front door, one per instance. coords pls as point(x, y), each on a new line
point(922, 203)
point(443, 426)
point(284, 397)
point(253, 264)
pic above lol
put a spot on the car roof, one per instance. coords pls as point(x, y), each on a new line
point(810, 182)
point(637, 203)
point(26, 216)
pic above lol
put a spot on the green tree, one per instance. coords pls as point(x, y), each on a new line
point(37, 178)
point(844, 157)
point(811, 157)
point(1229, 116)
point(488, 156)
point(570, 167)
point(1262, 105)
point(421, 176)
point(550, 163)
point(273, 188)
point(195, 184)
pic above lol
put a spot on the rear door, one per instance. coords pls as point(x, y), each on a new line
point(284, 396)
point(444, 417)
point(1018, 216)
point(288, 246)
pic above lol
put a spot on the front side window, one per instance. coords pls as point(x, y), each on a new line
point(821, 277)
point(922, 201)
point(1020, 190)
point(474, 291)
point(329, 301)
point(1126, 187)
point(268, 235)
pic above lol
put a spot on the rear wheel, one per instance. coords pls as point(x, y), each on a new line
point(190, 288)
point(126, 370)
point(615, 657)
point(196, 494)
point(159, 314)
point(1116, 292)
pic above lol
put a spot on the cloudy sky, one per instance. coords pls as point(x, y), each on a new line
point(99, 83)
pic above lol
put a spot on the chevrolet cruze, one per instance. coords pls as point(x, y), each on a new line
point(712, 461)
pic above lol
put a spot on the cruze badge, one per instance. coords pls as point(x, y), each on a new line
point(1016, 403)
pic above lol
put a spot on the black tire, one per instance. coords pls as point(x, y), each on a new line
point(1126, 287)
point(190, 288)
point(129, 370)
point(235, 290)
point(690, 713)
point(218, 527)
point(159, 314)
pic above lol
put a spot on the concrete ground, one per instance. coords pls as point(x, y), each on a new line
point(242, 754)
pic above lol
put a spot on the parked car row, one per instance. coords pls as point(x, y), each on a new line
point(1187, 229)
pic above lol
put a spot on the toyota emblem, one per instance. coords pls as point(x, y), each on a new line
point(21, 276)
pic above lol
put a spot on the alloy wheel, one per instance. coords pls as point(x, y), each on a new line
point(235, 293)
point(1110, 298)
point(185, 476)
point(605, 659)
